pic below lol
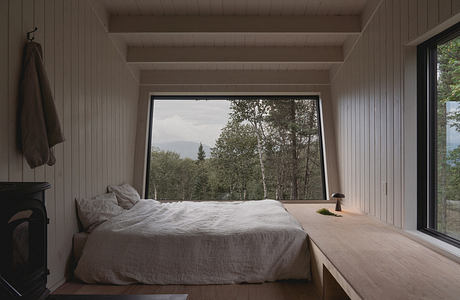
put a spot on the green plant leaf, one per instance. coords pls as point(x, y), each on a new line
point(326, 212)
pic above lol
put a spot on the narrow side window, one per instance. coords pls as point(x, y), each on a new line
point(439, 136)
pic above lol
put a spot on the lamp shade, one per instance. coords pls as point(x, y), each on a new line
point(338, 195)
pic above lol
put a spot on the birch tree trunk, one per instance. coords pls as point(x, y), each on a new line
point(311, 120)
point(262, 167)
point(293, 135)
point(307, 168)
point(258, 128)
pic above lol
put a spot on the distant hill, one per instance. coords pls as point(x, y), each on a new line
point(184, 148)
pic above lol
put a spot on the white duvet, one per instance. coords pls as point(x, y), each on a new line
point(196, 243)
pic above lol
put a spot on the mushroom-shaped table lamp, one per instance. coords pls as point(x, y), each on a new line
point(338, 199)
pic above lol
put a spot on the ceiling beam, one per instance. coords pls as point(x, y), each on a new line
point(245, 90)
point(332, 54)
point(233, 77)
point(235, 24)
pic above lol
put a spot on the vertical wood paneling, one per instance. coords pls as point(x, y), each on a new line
point(98, 132)
point(111, 123)
point(4, 89)
point(377, 116)
point(74, 102)
point(81, 99)
point(445, 9)
point(40, 37)
point(27, 25)
point(422, 17)
point(353, 106)
point(89, 93)
point(383, 109)
point(60, 236)
point(117, 124)
point(368, 96)
point(372, 49)
point(96, 100)
point(432, 16)
point(361, 124)
point(389, 112)
point(397, 68)
point(348, 166)
point(69, 208)
point(15, 43)
point(413, 21)
point(105, 78)
point(455, 6)
point(49, 57)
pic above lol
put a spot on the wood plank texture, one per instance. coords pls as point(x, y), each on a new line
point(376, 260)
point(377, 62)
point(71, 36)
point(234, 7)
point(284, 290)
point(234, 54)
point(234, 77)
point(235, 24)
point(4, 90)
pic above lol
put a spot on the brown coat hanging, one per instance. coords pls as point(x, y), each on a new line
point(39, 128)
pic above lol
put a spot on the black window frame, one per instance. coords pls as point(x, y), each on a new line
point(426, 133)
point(207, 97)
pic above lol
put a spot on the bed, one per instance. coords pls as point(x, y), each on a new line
point(195, 243)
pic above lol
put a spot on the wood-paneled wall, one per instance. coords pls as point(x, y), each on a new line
point(368, 95)
point(96, 99)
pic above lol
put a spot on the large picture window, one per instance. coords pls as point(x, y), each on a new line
point(439, 136)
point(235, 148)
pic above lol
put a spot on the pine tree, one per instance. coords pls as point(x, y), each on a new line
point(201, 184)
point(201, 153)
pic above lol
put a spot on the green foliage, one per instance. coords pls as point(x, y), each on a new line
point(326, 212)
point(201, 154)
point(235, 158)
point(251, 110)
point(448, 160)
point(293, 149)
point(171, 177)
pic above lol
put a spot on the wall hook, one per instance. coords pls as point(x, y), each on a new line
point(29, 37)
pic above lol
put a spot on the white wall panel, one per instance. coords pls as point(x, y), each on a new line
point(96, 100)
point(367, 93)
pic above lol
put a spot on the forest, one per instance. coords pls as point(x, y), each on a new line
point(448, 131)
point(269, 149)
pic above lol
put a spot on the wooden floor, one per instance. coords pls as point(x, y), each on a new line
point(283, 290)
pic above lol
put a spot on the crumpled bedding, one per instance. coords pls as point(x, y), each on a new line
point(196, 243)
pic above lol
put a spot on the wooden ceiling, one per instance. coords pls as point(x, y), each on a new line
point(220, 36)
point(234, 7)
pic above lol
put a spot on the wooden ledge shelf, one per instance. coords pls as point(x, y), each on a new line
point(371, 260)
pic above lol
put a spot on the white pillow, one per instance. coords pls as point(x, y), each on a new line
point(95, 211)
point(127, 196)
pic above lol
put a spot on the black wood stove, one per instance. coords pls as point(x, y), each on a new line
point(23, 222)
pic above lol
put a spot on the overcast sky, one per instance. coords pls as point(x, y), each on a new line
point(189, 120)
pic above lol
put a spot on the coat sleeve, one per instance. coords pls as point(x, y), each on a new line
point(53, 127)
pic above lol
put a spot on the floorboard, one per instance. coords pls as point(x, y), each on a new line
point(282, 290)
